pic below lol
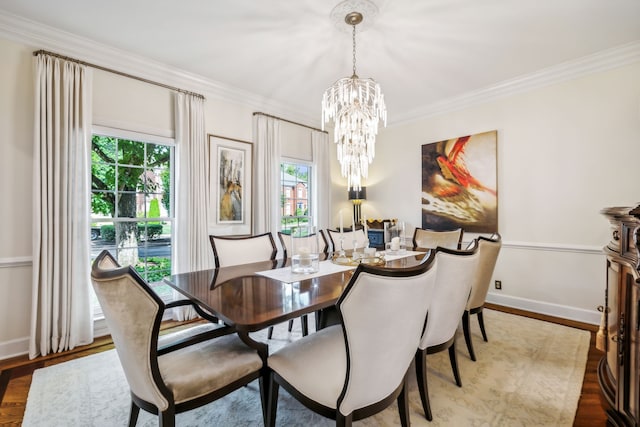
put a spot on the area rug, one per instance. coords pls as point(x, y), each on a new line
point(529, 374)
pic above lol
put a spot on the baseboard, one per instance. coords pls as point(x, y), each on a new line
point(14, 348)
point(591, 317)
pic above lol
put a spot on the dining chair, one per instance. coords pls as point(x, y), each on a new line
point(285, 241)
point(360, 366)
point(456, 270)
point(349, 237)
point(233, 250)
point(489, 248)
point(171, 373)
point(431, 239)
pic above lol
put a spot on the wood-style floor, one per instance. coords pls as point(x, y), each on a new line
point(16, 373)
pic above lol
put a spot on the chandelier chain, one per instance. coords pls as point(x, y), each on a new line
point(354, 50)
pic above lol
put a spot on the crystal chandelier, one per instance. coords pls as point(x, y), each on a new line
point(356, 107)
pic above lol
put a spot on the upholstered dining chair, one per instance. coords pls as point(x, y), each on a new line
point(360, 365)
point(171, 373)
point(456, 270)
point(431, 239)
point(489, 249)
point(231, 250)
point(349, 237)
point(285, 241)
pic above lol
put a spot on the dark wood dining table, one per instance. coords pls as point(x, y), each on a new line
point(249, 302)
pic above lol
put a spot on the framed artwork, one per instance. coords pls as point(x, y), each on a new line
point(460, 183)
point(231, 165)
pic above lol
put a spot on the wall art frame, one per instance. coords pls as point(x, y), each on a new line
point(460, 183)
point(231, 185)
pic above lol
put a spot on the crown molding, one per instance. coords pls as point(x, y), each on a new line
point(42, 36)
point(601, 61)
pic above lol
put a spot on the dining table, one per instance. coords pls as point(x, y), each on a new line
point(252, 297)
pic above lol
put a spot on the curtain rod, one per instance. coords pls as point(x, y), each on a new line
point(109, 70)
point(257, 113)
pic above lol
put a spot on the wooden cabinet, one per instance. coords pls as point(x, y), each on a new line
point(618, 371)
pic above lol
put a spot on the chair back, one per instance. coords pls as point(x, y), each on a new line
point(456, 271)
point(431, 239)
point(133, 313)
point(379, 352)
point(349, 236)
point(229, 250)
point(285, 240)
point(489, 249)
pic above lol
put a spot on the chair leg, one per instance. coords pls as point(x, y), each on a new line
point(454, 363)
point(263, 383)
point(481, 322)
point(133, 414)
point(403, 405)
point(421, 376)
point(290, 325)
point(270, 332)
point(343, 420)
point(467, 334)
point(167, 419)
point(305, 325)
point(272, 397)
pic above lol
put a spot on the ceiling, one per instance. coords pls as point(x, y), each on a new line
point(421, 52)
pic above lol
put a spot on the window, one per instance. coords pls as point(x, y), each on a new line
point(131, 214)
point(295, 195)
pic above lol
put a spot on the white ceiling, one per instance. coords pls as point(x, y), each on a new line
point(421, 52)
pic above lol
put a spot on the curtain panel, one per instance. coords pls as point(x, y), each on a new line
point(266, 183)
point(61, 317)
point(322, 177)
point(191, 249)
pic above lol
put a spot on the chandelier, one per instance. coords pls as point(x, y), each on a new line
point(356, 107)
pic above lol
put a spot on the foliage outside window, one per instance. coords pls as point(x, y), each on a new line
point(295, 195)
point(131, 217)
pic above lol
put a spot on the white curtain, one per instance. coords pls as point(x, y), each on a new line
point(266, 182)
point(61, 316)
point(322, 178)
point(191, 248)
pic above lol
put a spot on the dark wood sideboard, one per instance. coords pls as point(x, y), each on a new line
point(618, 372)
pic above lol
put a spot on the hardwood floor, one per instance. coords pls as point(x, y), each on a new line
point(16, 373)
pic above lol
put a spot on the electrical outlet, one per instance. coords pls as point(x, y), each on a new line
point(498, 284)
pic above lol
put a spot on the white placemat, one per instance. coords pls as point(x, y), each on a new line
point(285, 275)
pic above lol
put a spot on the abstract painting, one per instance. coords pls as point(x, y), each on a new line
point(231, 166)
point(460, 184)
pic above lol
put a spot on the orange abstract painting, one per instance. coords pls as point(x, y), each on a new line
point(460, 184)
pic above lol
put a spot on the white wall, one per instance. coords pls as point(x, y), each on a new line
point(564, 152)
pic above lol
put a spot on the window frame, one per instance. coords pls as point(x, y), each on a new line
point(293, 198)
point(146, 138)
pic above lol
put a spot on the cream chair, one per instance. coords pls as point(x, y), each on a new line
point(229, 250)
point(172, 373)
point(431, 239)
point(349, 237)
point(489, 249)
point(359, 366)
point(456, 271)
point(285, 241)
